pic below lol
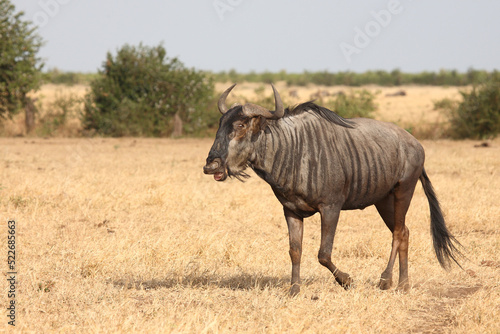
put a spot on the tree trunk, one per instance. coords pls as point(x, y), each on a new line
point(177, 126)
point(30, 110)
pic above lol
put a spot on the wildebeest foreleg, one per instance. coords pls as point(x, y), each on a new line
point(386, 210)
point(329, 220)
point(295, 233)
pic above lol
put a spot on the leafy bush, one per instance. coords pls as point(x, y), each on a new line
point(478, 115)
point(446, 104)
point(140, 90)
point(54, 121)
point(358, 103)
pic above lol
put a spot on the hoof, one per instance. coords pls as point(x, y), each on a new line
point(385, 283)
point(403, 286)
point(344, 280)
point(294, 290)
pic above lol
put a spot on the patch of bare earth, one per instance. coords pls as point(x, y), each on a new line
point(435, 315)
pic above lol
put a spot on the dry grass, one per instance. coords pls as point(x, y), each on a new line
point(45, 98)
point(413, 111)
point(128, 235)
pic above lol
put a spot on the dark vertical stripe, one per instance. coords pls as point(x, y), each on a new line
point(359, 173)
point(374, 168)
point(355, 164)
point(347, 159)
point(297, 166)
point(367, 169)
point(291, 157)
point(279, 156)
point(308, 144)
point(382, 170)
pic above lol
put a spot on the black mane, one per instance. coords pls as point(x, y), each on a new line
point(320, 111)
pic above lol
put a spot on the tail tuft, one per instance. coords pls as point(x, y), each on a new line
point(445, 244)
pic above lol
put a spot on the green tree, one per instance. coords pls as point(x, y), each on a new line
point(20, 68)
point(478, 115)
point(140, 92)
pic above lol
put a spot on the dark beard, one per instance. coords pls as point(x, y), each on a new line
point(241, 175)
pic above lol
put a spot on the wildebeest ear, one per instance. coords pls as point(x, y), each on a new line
point(259, 124)
point(263, 123)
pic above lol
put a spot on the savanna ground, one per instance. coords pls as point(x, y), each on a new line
point(128, 235)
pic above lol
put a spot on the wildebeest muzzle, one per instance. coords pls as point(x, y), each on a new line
point(216, 168)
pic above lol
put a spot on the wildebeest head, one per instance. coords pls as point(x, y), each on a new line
point(238, 127)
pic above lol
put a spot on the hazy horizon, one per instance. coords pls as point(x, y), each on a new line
point(220, 35)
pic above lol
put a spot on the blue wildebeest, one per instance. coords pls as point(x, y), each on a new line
point(317, 161)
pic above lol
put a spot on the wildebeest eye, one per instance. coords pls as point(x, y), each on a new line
point(240, 126)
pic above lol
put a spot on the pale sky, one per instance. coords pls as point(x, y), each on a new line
point(274, 35)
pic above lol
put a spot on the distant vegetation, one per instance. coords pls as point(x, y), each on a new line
point(477, 116)
point(58, 77)
point(354, 104)
point(381, 78)
point(57, 116)
point(136, 93)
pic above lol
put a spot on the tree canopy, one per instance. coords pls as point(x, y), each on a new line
point(20, 67)
point(140, 91)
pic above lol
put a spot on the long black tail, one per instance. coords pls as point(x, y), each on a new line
point(445, 244)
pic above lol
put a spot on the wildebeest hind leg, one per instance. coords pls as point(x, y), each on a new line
point(402, 199)
point(393, 210)
point(295, 233)
point(329, 220)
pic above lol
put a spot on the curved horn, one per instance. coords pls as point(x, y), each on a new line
point(252, 110)
point(222, 100)
point(279, 110)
